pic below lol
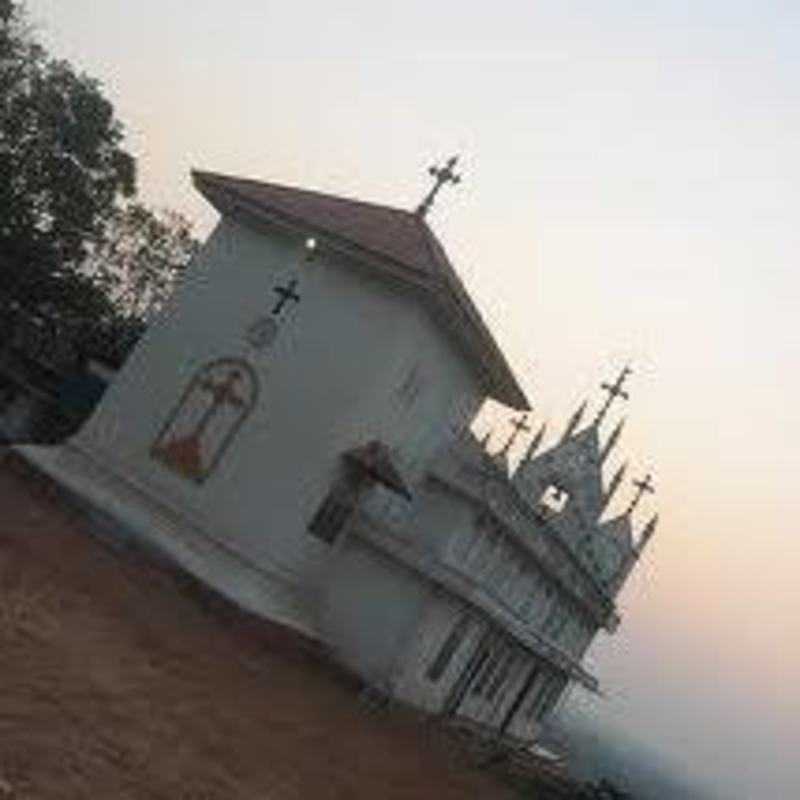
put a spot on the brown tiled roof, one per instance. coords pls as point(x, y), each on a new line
point(398, 240)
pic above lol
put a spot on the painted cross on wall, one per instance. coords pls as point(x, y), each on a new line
point(216, 402)
point(219, 398)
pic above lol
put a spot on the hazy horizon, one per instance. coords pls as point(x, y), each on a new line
point(630, 195)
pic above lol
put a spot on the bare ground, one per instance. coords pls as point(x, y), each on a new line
point(119, 679)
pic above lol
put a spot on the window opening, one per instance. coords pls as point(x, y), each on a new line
point(487, 672)
point(448, 649)
point(540, 677)
point(553, 500)
point(333, 514)
point(501, 678)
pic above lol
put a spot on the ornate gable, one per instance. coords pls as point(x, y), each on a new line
point(572, 467)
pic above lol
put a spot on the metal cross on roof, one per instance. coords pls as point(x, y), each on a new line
point(614, 391)
point(442, 175)
point(519, 425)
point(641, 487)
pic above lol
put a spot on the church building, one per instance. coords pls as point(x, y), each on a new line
point(294, 430)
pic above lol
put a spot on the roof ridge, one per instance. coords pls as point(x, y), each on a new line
point(434, 248)
point(313, 192)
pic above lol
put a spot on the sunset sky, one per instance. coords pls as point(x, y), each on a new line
point(631, 192)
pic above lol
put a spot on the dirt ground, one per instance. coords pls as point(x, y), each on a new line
point(118, 680)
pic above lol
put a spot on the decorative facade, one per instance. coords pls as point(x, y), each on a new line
point(536, 580)
point(294, 430)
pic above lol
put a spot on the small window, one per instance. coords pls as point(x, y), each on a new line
point(553, 501)
point(501, 677)
point(448, 650)
point(331, 517)
point(492, 663)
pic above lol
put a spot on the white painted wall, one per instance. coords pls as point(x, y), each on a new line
point(440, 614)
point(448, 528)
point(369, 611)
point(328, 384)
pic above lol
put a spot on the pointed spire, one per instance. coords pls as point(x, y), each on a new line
point(647, 534)
point(575, 420)
point(535, 444)
point(612, 440)
point(614, 390)
point(613, 486)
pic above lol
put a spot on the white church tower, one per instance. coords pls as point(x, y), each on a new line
point(293, 430)
point(309, 326)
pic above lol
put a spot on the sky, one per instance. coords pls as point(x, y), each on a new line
point(631, 178)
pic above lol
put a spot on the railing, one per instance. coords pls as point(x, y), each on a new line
point(548, 548)
point(428, 564)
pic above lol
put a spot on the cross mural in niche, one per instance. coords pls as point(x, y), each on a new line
point(212, 409)
point(286, 295)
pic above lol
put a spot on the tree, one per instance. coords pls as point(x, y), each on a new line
point(74, 246)
point(139, 258)
point(63, 170)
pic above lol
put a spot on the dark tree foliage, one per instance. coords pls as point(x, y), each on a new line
point(75, 248)
point(139, 258)
point(62, 171)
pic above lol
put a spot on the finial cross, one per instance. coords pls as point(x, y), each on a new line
point(442, 175)
point(641, 487)
point(287, 294)
point(614, 390)
point(519, 425)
